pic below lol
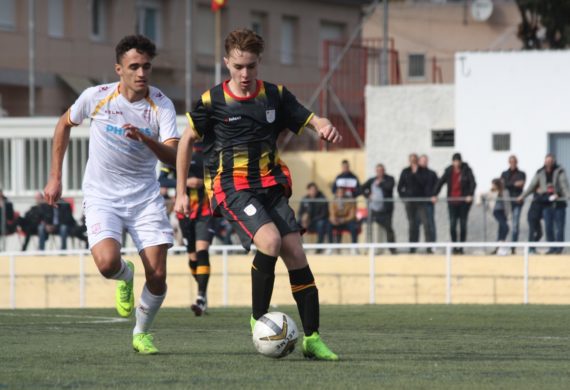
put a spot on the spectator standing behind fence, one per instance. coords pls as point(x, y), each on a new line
point(347, 181)
point(314, 214)
point(534, 218)
point(551, 181)
point(33, 218)
point(513, 181)
point(460, 189)
point(429, 186)
point(379, 190)
point(7, 223)
point(342, 216)
point(411, 187)
point(496, 203)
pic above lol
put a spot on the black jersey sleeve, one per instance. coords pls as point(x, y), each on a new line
point(199, 119)
point(295, 115)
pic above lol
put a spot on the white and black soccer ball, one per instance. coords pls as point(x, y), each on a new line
point(275, 335)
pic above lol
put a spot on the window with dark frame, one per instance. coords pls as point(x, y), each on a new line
point(416, 66)
point(149, 21)
point(443, 138)
point(501, 142)
point(7, 14)
point(98, 19)
point(5, 164)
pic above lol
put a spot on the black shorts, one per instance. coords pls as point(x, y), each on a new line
point(198, 229)
point(248, 210)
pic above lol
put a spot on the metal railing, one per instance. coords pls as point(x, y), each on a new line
point(482, 226)
point(375, 262)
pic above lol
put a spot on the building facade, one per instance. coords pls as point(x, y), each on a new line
point(75, 40)
point(428, 33)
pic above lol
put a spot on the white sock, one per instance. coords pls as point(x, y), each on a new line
point(146, 310)
point(125, 273)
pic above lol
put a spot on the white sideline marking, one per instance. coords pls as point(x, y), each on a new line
point(96, 319)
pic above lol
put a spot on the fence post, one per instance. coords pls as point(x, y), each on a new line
point(82, 280)
point(448, 273)
point(484, 202)
point(12, 281)
point(372, 268)
point(224, 277)
point(525, 299)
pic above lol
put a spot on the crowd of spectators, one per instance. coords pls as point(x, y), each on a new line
point(418, 188)
point(43, 221)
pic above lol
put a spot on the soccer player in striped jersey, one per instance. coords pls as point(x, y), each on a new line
point(196, 227)
point(132, 125)
point(238, 122)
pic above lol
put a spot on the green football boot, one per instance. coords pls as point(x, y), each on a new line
point(142, 343)
point(315, 348)
point(124, 296)
point(252, 322)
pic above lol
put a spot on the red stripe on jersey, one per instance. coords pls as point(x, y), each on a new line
point(218, 191)
point(227, 90)
point(206, 207)
point(286, 172)
point(241, 182)
point(225, 206)
point(268, 181)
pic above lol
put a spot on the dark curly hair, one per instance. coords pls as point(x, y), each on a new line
point(139, 42)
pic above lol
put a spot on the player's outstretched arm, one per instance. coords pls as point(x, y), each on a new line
point(165, 152)
point(183, 158)
point(52, 190)
point(325, 129)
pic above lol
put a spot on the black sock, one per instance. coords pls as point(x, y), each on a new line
point(193, 264)
point(307, 297)
point(202, 271)
point(262, 279)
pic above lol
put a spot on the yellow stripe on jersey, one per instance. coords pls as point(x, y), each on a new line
point(151, 102)
point(203, 270)
point(306, 123)
point(106, 100)
point(207, 99)
point(280, 89)
point(261, 94)
point(264, 162)
point(69, 121)
point(191, 123)
point(207, 181)
point(241, 159)
point(229, 100)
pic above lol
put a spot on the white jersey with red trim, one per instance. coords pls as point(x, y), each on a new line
point(119, 167)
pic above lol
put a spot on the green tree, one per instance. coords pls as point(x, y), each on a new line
point(544, 23)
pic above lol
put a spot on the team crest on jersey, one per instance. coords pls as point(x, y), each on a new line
point(250, 210)
point(96, 229)
point(270, 115)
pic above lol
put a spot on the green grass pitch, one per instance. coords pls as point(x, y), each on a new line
point(424, 346)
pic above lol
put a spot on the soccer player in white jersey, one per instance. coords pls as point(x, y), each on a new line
point(132, 125)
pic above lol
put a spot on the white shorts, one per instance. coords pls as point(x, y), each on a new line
point(146, 222)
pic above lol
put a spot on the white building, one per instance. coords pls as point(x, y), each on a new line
point(512, 103)
point(503, 103)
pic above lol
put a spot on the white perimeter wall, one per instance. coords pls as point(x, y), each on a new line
point(399, 121)
point(526, 94)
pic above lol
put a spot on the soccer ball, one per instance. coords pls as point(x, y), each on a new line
point(275, 335)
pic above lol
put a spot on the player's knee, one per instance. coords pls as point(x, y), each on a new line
point(157, 277)
point(108, 265)
point(108, 269)
point(272, 245)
